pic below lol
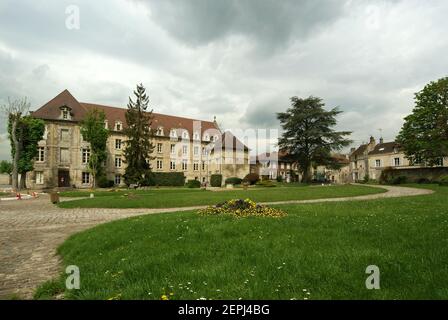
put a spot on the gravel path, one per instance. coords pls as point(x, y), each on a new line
point(31, 230)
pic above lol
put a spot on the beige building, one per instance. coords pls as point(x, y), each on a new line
point(338, 175)
point(372, 158)
point(271, 165)
point(196, 148)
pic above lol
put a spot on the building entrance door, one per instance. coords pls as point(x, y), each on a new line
point(63, 178)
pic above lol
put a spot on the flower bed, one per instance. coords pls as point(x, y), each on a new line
point(242, 208)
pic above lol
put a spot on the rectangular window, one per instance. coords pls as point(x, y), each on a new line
point(64, 155)
point(65, 134)
point(85, 178)
point(85, 156)
point(65, 114)
point(117, 143)
point(117, 179)
point(117, 162)
point(159, 148)
point(196, 166)
point(184, 165)
point(173, 149)
point(396, 162)
point(439, 162)
point(41, 154)
point(39, 177)
point(196, 151)
point(172, 165)
point(377, 163)
point(184, 150)
point(203, 165)
point(159, 164)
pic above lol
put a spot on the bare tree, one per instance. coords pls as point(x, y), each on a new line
point(15, 110)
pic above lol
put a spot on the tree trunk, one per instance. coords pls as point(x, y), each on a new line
point(15, 162)
point(306, 178)
point(22, 185)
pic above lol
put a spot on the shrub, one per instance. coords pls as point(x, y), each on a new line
point(399, 180)
point(216, 180)
point(443, 181)
point(279, 179)
point(148, 180)
point(169, 179)
point(423, 181)
point(103, 182)
point(193, 184)
point(251, 178)
point(265, 183)
point(242, 208)
point(233, 180)
point(386, 175)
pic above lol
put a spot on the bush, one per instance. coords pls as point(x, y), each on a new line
point(103, 182)
point(148, 180)
point(443, 181)
point(233, 180)
point(169, 179)
point(399, 180)
point(216, 180)
point(193, 184)
point(265, 183)
point(279, 179)
point(251, 178)
point(386, 175)
point(423, 181)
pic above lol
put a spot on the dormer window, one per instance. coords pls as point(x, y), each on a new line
point(106, 124)
point(159, 131)
point(206, 137)
point(118, 126)
point(65, 113)
point(196, 136)
point(185, 135)
point(173, 133)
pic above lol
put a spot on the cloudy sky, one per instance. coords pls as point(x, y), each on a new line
point(238, 60)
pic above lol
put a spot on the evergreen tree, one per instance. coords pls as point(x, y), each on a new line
point(94, 132)
point(138, 146)
point(424, 135)
point(308, 133)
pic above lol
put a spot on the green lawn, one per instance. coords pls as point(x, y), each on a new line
point(183, 197)
point(321, 248)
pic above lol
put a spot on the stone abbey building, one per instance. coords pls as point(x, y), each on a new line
point(196, 148)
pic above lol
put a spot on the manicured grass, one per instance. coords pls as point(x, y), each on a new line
point(164, 198)
point(322, 248)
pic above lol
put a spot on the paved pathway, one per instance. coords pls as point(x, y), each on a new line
point(31, 230)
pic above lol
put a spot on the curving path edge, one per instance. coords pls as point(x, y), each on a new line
point(31, 231)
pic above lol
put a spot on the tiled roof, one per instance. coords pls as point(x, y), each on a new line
point(51, 111)
point(387, 147)
point(360, 151)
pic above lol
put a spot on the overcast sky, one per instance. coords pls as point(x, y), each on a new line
point(238, 60)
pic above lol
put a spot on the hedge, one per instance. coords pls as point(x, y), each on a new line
point(103, 182)
point(193, 184)
point(233, 180)
point(216, 180)
point(169, 179)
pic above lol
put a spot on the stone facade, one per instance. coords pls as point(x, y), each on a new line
point(196, 148)
point(372, 158)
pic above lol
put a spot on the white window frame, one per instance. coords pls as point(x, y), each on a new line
point(395, 162)
point(184, 165)
point(41, 154)
point(184, 150)
point(378, 163)
point(173, 149)
point(117, 179)
point(172, 165)
point(39, 177)
point(118, 144)
point(85, 178)
point(85, 155)
point(159, 147)
point(117, 162)
point(159, 164)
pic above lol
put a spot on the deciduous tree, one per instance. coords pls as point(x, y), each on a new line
point(424, 135)
point(94, 131)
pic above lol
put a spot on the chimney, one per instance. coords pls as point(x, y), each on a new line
point(372, 140)
point(381, 140)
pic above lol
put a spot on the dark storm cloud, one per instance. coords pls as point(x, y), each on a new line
point(271, 23)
